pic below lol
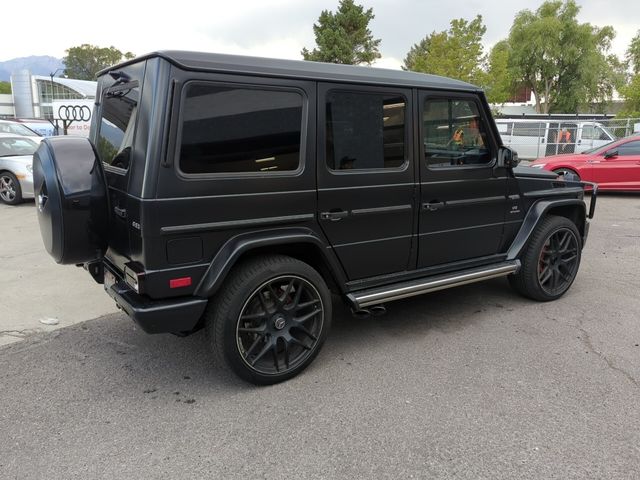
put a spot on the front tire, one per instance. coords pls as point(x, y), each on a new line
point(10, 190)
point(550, 260)
point(270, 319)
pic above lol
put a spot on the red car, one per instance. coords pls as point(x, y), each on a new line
point(615, 166)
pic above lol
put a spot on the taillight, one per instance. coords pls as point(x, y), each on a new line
point(180, 282)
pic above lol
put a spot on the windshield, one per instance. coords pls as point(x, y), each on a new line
point(598, 149)
point(11, 146)
point(17, 129)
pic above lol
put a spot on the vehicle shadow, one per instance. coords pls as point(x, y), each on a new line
point(112, 353)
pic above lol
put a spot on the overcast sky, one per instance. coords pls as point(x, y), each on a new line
point(268, 28)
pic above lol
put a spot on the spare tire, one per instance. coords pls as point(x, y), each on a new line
point(71, 199)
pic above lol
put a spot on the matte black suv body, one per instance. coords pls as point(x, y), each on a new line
point(237, 192)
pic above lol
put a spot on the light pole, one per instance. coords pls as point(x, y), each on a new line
point(51, 75)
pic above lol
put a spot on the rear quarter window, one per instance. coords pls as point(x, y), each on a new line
point(228, 129)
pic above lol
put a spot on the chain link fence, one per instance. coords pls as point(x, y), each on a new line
point(535, 138)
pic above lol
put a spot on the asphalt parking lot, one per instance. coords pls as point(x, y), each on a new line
point(474, 382)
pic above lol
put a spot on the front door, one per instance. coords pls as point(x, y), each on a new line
point(621, 170)
point(463, 193)
point(366, 186)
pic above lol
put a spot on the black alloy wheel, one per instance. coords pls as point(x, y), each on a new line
point(279, 325)
point(550, 261)
point(269, 319)
point(558, 263)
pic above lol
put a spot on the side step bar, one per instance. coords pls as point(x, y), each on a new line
point(366, 298)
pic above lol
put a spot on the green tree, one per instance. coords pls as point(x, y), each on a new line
point(633, 54)
point(564, 62)
point(499, 83)
point(455, 53)
point(5, 87)
point(344, 37)
point(85, 61)
point(631, 95)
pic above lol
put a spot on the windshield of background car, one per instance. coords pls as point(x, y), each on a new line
point(117, 122)
point(11, 146)
point(17, 129)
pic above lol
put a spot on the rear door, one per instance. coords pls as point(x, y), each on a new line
point(119, 110)
point(366, 187)
point(463, 193)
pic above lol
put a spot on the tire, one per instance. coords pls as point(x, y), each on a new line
point(550, 260)
point(564, 171)
point(10, 190)
point(270, 318)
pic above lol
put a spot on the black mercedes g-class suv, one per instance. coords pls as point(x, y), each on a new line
point(236, 194)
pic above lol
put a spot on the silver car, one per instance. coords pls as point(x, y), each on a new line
point(16, 168)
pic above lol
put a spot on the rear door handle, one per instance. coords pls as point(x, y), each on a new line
point(334, 216)
point(433, 206)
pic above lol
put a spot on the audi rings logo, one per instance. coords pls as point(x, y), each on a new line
point(79, 113)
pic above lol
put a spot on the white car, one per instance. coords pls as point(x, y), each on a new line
point(16, 168)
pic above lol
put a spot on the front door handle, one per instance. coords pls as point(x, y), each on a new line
point(334, 216)
point(433, 206)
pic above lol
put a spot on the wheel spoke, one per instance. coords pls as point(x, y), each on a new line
point(253, 316)
point(306, 332)
point(307, 304)
point(545, 275)
point(274, 351)
point(296, 299)
point(260, 329)
point(295, 341)
point(263, 302)
point(268, 346)
point(308, 316)
point(253, 346)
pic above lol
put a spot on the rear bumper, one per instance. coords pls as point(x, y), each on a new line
point(174, 315)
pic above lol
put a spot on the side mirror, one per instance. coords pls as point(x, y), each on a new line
point(507, 158)
point(611, 154)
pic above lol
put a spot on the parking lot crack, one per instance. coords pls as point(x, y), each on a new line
point(586, 340)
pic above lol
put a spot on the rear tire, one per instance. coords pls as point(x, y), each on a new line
point(270, 318)
point(550, 260)
point(10, 190)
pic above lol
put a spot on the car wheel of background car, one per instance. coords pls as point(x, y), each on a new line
point(550, 261)
point(270, 319)
point(71, 199)
point(567, 171)
point(10, 191)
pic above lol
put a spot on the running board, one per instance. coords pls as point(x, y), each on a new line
point(397, 291)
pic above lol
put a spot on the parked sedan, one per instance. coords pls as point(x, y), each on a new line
point(615, 166)
point(16, 168)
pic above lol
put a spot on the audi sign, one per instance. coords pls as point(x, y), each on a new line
point(76, 114)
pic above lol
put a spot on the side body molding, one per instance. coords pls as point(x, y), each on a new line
point(534, 215)
point(235, 247)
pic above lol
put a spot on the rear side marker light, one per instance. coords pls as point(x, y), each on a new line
point(180, 282)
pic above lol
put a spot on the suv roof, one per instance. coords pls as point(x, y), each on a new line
point(239, 64)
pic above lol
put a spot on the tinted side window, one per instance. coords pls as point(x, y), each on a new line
point(117, 124)
point(229, 129)
point(630, 148)
point(365, 131)
point(454, 133)
point(528, 129)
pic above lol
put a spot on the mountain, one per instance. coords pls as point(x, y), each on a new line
point(37, 65)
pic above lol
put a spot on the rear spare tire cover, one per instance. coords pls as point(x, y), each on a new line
point(71, 199)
